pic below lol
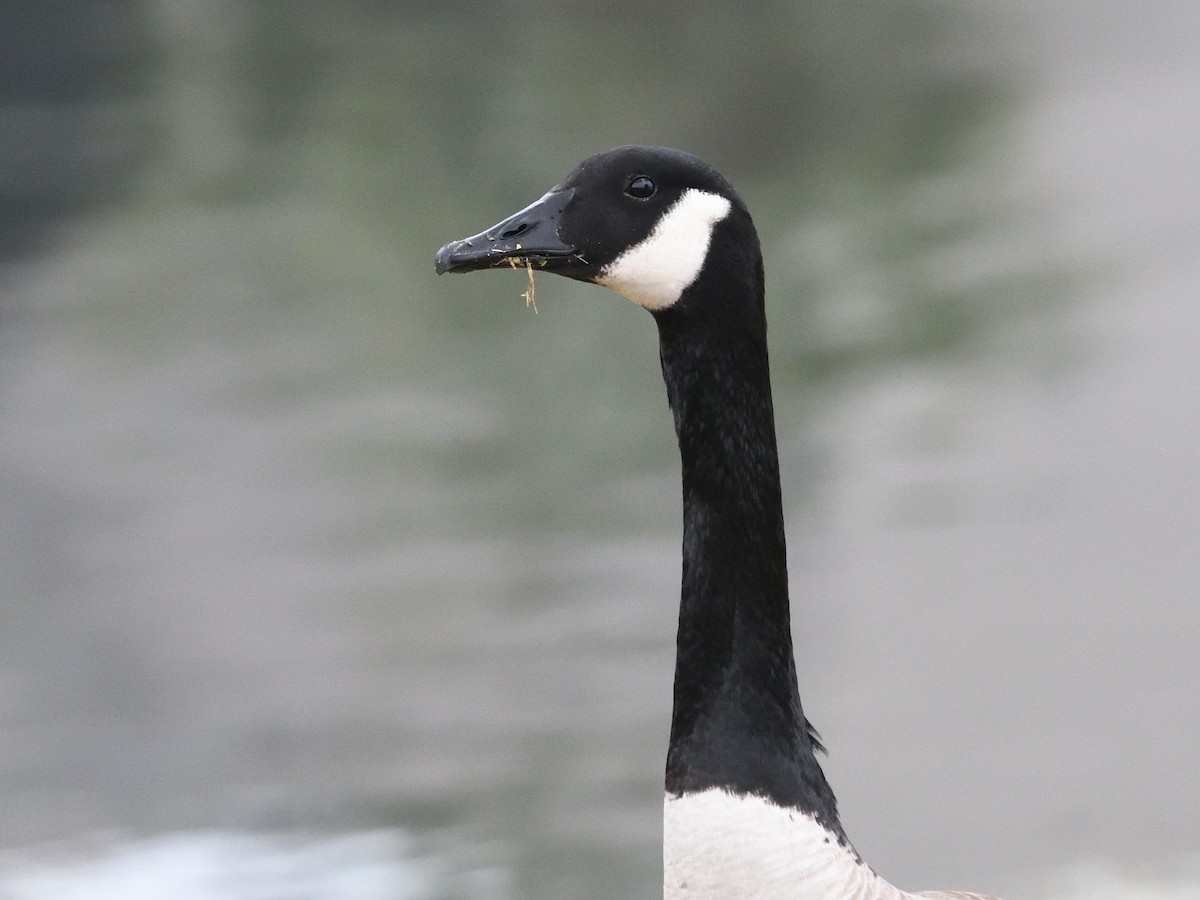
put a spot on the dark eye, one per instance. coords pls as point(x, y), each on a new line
point(640, 187)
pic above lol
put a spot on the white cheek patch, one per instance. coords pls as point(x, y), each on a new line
point(655, 272)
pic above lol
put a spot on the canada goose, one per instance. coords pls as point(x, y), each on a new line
point(747, 812)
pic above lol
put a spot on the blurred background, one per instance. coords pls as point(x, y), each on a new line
point(324, 578)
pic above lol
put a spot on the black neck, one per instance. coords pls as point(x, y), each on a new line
point(737, 722)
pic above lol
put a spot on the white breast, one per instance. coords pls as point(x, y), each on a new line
point(720, 846)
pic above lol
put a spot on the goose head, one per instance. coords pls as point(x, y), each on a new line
point(642, 221)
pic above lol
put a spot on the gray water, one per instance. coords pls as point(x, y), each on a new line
point(322, 577)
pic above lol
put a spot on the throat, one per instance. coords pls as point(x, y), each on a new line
point(737, 722)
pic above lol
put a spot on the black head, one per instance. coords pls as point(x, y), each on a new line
point(639, 220)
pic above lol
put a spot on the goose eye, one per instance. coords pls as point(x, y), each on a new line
point(641, 187)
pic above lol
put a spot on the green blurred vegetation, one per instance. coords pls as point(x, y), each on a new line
point(293, 167)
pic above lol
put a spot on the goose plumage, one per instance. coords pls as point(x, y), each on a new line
point(748, 813)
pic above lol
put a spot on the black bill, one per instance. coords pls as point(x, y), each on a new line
point(532, 235)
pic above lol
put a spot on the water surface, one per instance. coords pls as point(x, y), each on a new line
point(324, 577)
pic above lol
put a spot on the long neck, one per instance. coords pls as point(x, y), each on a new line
point(737, 722)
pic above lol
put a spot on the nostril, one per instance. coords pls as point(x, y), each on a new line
point(514, 231)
